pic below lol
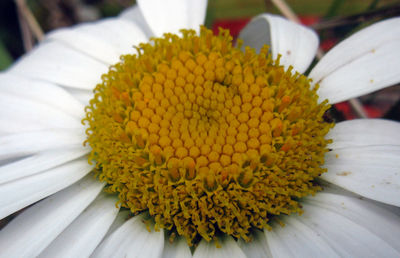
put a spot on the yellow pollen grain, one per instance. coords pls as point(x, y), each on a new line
point(204, 137)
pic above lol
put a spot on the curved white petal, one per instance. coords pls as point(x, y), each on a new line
point(132, 239)
point(364, 132)
point(83, 235)
point(83, 96)
point(20, 193)
point(25, 114)
point(34, 229)
point(370, 171)
point(296, 43)
point(346, 236)
point(177, 249)
point(377, 219)
point(42, 92)
point(363, 63)
point(27, 143)
point(229, 248)
point(121, 218)
point(135, 15)
point(57, 63)
point(257, 247)
point(296, 239)
point(39, 162)
point(172, 15)
point(105, 40)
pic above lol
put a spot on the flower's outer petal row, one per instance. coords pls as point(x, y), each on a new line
point(20, 193)
point(104, 41)
point(28, 143)
point(296, 239)
point(83, 235)
point(296, 43)
point(39, 162)
point(365, 62)
point(370, 171)
point(257, 247)
point(378, 219)
point(177, 249)
point(33, 230)
point(229, 248)
point(123, 215)
point(57, 63)
point(135, 15)
point(132, 239)
point(364, 132)
point(33, 90)
point(22, 114)
point(173, 15)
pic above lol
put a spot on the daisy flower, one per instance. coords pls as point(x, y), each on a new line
point(186, 145)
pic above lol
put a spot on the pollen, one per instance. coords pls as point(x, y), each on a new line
point(204, 137)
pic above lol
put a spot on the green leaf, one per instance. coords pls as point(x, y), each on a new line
point(5, 58)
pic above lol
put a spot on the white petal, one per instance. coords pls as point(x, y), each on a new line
point(105, 41)
point(363, 63)
point(257, 247)
point(344, 235)
point(172, 15)
point(364, 132)
point(40, 91)
point(296, 43)
point(57, 63)
point(378, 220)
point(83, 235)
point(229, 248)
point(370, 171)
point(34, 229)
point(83, 96)
point(20, 193)
point(135, 15)
point(296, 239)
point(38, 163)
point(132, 239)
point(27, 143)
point(25, 115)
point(177, 249)
point(121, 218)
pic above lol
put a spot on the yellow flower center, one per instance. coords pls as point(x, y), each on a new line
point(205, 137)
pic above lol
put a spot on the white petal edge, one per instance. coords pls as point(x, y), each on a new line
point(172, 15)
point(39, 162)
point(370, 171)
point(27, 143)
point(135, 15)
point(34, 229)
point(296, 239)
point(378, 219)
point(41, 92)
point(23, 114)
point(132, 239)
point(344, 235)
point(365, 62)
point(20, 193)
point(104, 41)
point(83, 235)
point(364, 132)
point(296, 43)
point(177, 249)
point(121, 218)
point(229, 248)
point(57, 63)
point(257, 247)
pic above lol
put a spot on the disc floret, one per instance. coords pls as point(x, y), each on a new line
point(205, 137)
